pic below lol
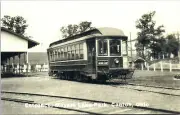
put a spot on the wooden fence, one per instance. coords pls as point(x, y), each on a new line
point(161, 66)
point(17, 68)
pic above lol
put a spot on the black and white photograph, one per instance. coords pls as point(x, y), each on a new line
point(90, 57)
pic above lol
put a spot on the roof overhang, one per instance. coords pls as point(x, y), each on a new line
point(31, 43)
point(103, 31)
point(6, 55)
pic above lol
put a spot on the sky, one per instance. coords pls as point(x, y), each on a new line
point(45, 18)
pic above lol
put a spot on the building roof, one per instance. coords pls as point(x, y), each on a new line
point(31, 43)
point(105, 31)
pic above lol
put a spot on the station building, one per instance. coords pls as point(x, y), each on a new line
point(14, 50)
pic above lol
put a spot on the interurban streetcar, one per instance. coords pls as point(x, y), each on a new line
point(99, 54)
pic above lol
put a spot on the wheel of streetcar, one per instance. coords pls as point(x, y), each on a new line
point(63, 76)
point(79, 77)
point(71, 76)
point(124, 78)
point(89, 79)
point(60, 76)
point(101, 79)
point(66, 76)
point(76, 76)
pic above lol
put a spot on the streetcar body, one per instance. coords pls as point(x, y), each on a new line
point(97, 54)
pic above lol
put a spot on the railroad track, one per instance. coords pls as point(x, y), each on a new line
point(154, 90)
point(79, 105)
point(147, 88)
point(133, 84)
point(140, 87)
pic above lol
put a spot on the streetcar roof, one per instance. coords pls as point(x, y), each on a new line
point(104, 31)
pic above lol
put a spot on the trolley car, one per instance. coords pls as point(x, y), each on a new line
point(99, 54)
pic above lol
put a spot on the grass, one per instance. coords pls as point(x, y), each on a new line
point(164, 81)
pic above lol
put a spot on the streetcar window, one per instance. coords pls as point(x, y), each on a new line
point(102, 47)
point(69, 52)
point(65, 53)
point(54, 56)
point(50, 56)
point(62, 54)
point(124, 47)
point(73, 52)
point(81, 51)
point(77, 51)
point(59, 53)
point(115, 48)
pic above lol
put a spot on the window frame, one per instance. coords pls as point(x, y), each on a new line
point(98, 48)
point(73, 52)
point(65, 52)
point(69, 52)
point(81, 50)
point(77, 54)
point(117, 54)
point(122, 48)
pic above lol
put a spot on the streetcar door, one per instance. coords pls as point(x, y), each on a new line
point(91, 55)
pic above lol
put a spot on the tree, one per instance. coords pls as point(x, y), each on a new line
point(84, 26)
point(71, 30)
point(172, 45)
point(139, 49)
point(16, 24)
point(148, 35)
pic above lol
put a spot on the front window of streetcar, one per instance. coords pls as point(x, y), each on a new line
point(115, 47)
point(102, 47)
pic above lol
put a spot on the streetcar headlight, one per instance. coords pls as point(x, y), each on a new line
point(116, 61)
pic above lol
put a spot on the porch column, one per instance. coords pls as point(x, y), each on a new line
point(24, 57)
point(13, 63)
point(5, 66)
point(19, 56)
point(26, 62)
point(8, 63)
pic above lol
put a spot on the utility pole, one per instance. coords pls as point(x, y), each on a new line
point(131, 51)
point(131, 46)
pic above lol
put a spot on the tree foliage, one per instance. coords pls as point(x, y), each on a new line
point(71, 30)
point(150, 39)
point(172, 45)
point(149, 36)
point(16, 24)
point(84, 26)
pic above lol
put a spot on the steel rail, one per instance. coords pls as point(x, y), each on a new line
point(152, 91)
point(133, 84)
point(57, 107)
point(106, 102)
